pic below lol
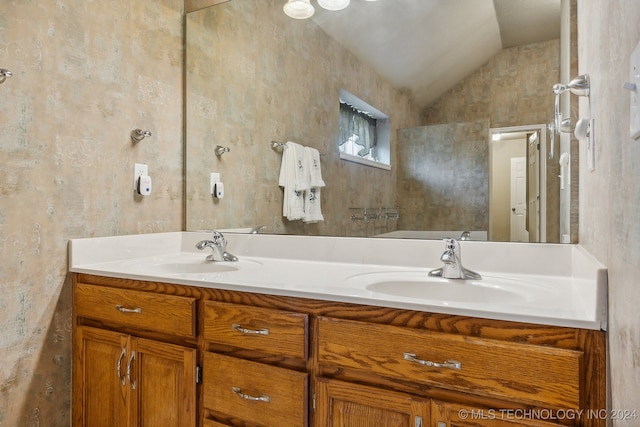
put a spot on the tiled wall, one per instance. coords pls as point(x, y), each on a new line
point(444, 181)
point(85, 73)
point(610, 195)
point(512, 89)
point(261, 76)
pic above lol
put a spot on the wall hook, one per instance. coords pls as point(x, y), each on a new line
point(220, 150)
point(4, 75)
point(138, 135)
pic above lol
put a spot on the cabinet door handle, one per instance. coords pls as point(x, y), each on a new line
point(131, 359)
point(245, 331)
point(122, 378)
point(122, 309)
point(451, 364)
point(238, 392)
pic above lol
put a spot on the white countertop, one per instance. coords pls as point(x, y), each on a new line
point(559, 285)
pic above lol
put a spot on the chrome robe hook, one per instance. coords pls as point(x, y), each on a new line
point(4, 74)
point(220, 150)
point(138, 135)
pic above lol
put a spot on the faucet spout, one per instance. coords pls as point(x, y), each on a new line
point(452, 268)
point(219, 247)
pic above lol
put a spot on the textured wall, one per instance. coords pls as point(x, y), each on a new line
point(85, 73)
point(262, 76)
point(444, 181)
point(512, 89)
point(610, 195)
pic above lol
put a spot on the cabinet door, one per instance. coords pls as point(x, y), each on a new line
point(342, 404)
point(163, 379)
point(100, 392)
point(452, 415)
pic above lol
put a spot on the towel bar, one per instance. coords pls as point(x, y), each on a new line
point(277, 146)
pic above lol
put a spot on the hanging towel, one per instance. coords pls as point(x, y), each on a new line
point(312, 206)
point(313, 164)
point(293, 200)
point(302, 176)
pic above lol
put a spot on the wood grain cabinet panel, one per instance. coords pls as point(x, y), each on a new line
point(526, 373)
point(342, 404)
point(167, 314)
point(121, 380)
point(277, 332)
point(259, 394)
point(454, 415)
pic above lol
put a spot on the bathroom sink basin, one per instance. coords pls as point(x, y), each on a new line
point(195, 267)
point(418, 285)
point(188, 264)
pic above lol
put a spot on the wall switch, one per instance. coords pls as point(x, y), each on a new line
point(215, 177)
point(138, 171)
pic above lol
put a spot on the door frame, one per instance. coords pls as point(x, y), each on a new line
point(542, 164)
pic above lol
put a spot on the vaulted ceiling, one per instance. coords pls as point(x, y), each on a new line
point(427, 46)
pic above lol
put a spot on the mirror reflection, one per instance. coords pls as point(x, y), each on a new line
point(256, 76)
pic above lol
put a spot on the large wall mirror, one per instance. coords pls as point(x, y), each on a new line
point(465, 87)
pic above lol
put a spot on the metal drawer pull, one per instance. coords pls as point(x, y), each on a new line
point(451, 364)
point(128, 310)
point(238, 392)
point(123, 379)
point(239, 328)
point(131, 359)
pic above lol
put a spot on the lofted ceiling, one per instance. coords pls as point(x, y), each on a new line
point(427, 46)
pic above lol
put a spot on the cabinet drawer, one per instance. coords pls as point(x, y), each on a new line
point(167, 314)
point(254, 392)
point(271, 331)
point(519, 372)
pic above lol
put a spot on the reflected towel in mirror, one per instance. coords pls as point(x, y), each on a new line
point(293, 200)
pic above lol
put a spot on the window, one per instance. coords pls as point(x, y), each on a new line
point(364, 133)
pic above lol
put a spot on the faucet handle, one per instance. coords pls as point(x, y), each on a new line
point(450, 243)
point(218, 238)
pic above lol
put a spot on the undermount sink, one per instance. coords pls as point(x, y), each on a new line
point(197, 267)
point(190, 265)
point(418, 285)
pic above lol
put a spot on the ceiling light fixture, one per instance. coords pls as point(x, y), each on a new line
point(299, 9)
point(334, 4)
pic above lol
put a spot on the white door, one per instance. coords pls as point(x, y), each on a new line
point(533, 185)
point(519, 231)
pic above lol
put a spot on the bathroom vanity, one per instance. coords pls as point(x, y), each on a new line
point(184, 346)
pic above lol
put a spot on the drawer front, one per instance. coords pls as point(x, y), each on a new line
point(271, 331)
point(256, 393)
point(167, 314)
point(520, 372)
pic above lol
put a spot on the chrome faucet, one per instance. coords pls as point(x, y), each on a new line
point(453, 268)
point(466, 235)
point(257, 229)
point(219, 247)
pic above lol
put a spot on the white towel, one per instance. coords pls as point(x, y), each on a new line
point(313, 164)
point(293, 200)
point(302, 176)
point(312, 206)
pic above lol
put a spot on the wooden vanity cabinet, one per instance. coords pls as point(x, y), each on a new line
point(276, 361)
point(240, 391)
point(121, 378)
